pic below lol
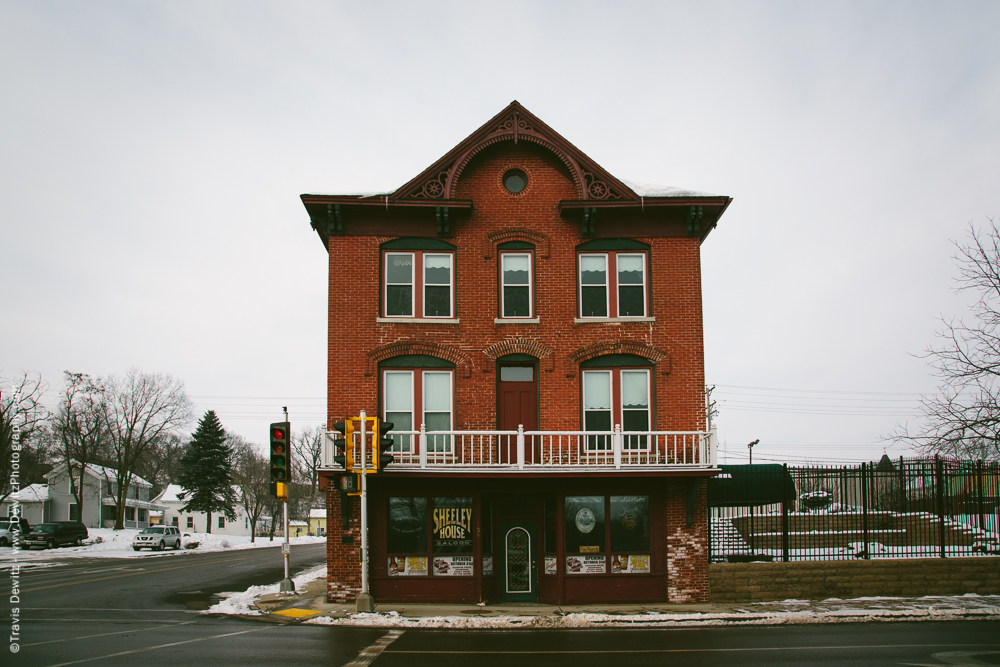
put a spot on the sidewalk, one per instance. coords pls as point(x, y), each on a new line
point(309, 605)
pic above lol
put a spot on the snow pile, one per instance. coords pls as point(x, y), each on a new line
point(788, 612)
point(239, 603)
point(108, 543)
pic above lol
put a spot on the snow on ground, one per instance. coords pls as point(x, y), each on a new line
point(239, 603)
point(108, 543)
point(788, 612)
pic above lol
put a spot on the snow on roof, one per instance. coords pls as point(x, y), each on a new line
point(171, 494)
point(362, 195)
point(317, 513)
point(653, 190)
point(36, 493)
point(99, 471)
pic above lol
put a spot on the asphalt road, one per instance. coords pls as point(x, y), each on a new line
point(144, 612)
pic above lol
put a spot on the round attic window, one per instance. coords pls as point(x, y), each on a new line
point(515, 181)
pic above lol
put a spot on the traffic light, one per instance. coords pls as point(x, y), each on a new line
point(280, 451)
point(279, 490)
point(383, 443)
point(348, 483)
point(345, 444)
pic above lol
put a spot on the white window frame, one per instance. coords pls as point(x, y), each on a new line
point(531, 284)
point(417, 379)
point(611, 284)
point(618, 406)
point(618, 285)
point(412, 283)
point(607, 284)
point(418, 284)
point(451, 284)
point(399, 445)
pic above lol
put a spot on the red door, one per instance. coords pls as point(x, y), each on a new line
point(517, 404)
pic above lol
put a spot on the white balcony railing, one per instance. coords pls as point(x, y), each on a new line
point(537, 451)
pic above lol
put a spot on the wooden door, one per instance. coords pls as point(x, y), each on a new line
point(517, 405)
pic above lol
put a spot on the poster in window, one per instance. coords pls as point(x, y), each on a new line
point(584, 524)
point(451, 528)
point(453, 566)
point(586, 565)
point(407, 529)
point(487, 565)
point(630, 564)
point(407, 566)
point(551, 565)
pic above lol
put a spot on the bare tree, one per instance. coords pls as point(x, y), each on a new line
point(307, 449)
point(138, 410)
point(963, 418)
point(161, 464)
point(80, 430)
point(252, 473)
point(21, 414)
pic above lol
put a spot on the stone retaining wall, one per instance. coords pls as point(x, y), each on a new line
point(819, 580)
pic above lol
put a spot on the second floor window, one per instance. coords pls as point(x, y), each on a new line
point(419, 284)
point(418, 396)
point(515, 277)
point(612, 284)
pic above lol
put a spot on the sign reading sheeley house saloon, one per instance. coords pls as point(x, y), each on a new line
point(533, 327)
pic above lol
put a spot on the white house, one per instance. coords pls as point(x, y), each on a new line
point(196, 521)
point(100, 492)
point(34, 501)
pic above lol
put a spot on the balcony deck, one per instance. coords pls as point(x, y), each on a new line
point(539, 452)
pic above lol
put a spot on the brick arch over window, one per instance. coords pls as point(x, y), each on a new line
point(407, 347)
point(601, 348)
point(493, 239)
point(576, 172)
point(546, 360)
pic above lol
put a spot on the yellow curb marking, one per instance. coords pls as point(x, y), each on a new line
point(296, 613)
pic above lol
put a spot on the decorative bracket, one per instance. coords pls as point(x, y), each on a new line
point(694, 220)
point(589, 225)
point(443, 226)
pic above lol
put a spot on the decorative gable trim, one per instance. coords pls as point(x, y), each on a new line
point(515, 123)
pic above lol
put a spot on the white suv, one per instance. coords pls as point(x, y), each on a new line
point(157, 538)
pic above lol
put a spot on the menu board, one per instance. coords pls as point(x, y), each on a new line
point(634, 564)
point(407, 566)
point(453, 566)
point(551, 565)
point(487, 565)
point(586, 565)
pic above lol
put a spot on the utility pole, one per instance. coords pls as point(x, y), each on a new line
point(287, 585)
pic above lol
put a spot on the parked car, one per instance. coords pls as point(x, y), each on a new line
point(6, 537)
point(157, 538)
point(9, 523)
point(55, 533)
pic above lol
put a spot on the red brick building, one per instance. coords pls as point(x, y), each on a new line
point(533, 328)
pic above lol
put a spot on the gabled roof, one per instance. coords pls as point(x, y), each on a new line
point(35, 493)
point(100, 472)
point(515, 123)
point(432, 191)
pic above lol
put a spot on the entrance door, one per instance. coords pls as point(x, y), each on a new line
point(518, 574)
point(517, 404)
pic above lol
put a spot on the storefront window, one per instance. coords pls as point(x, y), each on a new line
point(584, 524)
point(629, 523)
point(451, 521)
point(407, 525)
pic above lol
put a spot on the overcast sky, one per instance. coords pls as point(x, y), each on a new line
point(152, 154)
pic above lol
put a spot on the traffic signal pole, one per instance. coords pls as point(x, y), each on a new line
point(365, 601)
point(287, 585)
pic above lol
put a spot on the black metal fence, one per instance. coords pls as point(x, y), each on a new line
point(889, 509)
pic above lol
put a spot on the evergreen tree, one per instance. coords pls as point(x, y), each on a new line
point(206, 471)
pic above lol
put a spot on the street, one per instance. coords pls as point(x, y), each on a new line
point(146, 611)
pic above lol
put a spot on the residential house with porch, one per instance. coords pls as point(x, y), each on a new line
point(532, 326)
point(99, 496)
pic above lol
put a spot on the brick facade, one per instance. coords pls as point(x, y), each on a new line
point(558, 178)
